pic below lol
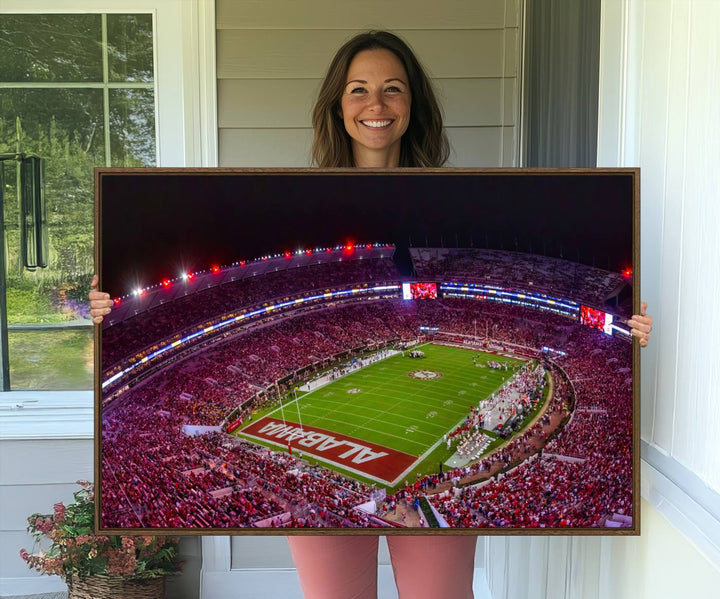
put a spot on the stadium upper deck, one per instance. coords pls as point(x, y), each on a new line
point(528, 272)
point(170, 290)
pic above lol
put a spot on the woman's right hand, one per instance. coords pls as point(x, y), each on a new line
point(100, 303)
point(641, 325)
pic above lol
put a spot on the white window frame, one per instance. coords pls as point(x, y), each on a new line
point(186, 135)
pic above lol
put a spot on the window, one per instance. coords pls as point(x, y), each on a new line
point(78, 91)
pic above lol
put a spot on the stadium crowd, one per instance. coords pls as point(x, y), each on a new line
point(150, 326)
point(585, 472)
point(156, 474)
point(529, 272)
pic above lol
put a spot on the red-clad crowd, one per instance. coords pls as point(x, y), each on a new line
point(157, 475)
point(585, 472)
point(121, 339)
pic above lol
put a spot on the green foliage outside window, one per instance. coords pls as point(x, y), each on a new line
point(76, 90)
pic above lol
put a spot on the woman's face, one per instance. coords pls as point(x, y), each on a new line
point(375, 107)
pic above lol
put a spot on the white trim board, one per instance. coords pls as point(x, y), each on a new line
point(46, 415)
point(688, 504)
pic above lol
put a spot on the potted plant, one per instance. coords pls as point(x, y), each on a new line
point(98, 566)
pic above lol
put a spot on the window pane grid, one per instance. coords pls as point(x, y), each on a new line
point(108, 60)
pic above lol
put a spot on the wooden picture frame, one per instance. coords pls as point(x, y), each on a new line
point(345, 351)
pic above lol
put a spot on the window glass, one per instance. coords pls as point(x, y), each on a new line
point(132, 127)
point(130, 47)
point(36, 48)
point(75, 118)
point(52, 359)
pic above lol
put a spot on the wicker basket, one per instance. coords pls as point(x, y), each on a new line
point(116, 587)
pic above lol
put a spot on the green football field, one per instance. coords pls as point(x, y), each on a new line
point(384, 404)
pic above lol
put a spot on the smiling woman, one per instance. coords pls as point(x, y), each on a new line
point(375, 107)
point(363, 114)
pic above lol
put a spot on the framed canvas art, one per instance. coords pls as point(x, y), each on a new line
point(368, 352)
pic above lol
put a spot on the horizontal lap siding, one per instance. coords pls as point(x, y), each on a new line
point(272, 56)
point(34, 475)
point(307, 53)
point(264, 147)
point(338, 14)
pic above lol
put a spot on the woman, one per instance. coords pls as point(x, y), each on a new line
point(377, 109)
point(363, 114)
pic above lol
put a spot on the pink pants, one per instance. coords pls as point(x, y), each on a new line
point(429, 567)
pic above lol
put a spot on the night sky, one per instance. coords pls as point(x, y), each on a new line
point(157, 224)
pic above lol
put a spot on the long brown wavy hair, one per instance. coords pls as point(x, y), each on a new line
point(424, 144)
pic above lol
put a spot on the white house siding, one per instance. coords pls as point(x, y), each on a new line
point(271, 57)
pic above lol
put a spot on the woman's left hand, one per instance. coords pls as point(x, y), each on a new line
point(641, 325)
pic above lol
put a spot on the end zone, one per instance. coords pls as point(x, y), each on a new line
point(383, 464)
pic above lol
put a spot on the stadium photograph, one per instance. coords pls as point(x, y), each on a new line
point(436, 351)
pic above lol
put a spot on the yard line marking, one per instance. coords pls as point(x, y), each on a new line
point(383, 395)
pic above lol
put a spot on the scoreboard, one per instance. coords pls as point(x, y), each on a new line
point(419, 291)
